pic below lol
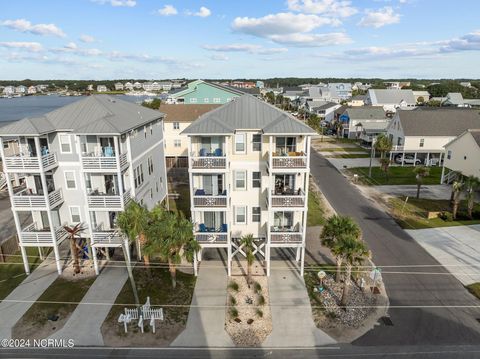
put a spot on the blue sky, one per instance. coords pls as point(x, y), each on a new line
point(105, 39)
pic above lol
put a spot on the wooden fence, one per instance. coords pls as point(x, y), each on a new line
point(10, 246)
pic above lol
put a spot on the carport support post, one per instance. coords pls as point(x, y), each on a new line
point(428, 159)
point(229, 260)
point(25, 259)
point(403, 158)
point(57, 258)
point(95, 260)
point(297, 256)
point(302, 263)
point(268, 259)
point(195, 264)
point(415, 160)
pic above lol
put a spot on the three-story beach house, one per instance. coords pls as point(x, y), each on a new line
point(83, 163)
point(249, 174)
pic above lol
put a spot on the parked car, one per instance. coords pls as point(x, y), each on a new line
point(408, 160)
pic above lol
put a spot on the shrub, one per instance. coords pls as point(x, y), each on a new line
point(233, 286)
point(257, 287)
point(233, 301)
point(331, 315)
point(446, 216)
point(233, 312)
point(259, 313)
point(261, 300)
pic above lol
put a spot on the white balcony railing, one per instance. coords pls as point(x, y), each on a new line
point(289, 162)
point(116, 202)
point(398, 148)
point(25, 200)
point(294, 200)
point(55, 198)
point(286, 237)
point(30, 235)
point(210, 201)
point(106, 237)
point(27, 164)
point(211, 237)
point(209, 162)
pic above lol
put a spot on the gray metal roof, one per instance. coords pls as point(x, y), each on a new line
point(454, 98)
point(99, 114)
point(438, 122)
point(247, 113)
point(476, 136)
point(366, 113)
point(375, 126)
point(395, 97)
point(323, 106)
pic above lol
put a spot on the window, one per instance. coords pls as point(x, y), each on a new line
point(449, 155)
point(240, 143)
point(138, 176)
point(256, 179)
point(65, 144)
point(145, 131)
point(177, 143)
point(176, 125)
point(256, 214)
point(70, 180)
point(150, 165)
point(216, 100)
point(193, 100)
point(257, 142)
point(156, 186)
point(240, 177)
point(241, 215)
point(75, 214)
point(151, 129)
point(151, 193)
point(422, 142)
point(206, 100)
point(286, 144)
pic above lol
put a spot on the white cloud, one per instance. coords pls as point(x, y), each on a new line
point(23, 25)
point(323, 7)
point(30, 46)
point(86, 38)
point(203, 12)
point(313, 40)
point(168, 10)
point(71, 46)
point(249, 48)
point(379, 18)
point(219, 57)
point(468, 42)
point(117, 3)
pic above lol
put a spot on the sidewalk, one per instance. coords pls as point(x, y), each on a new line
point(86, 320)
point(292, 320)
point(29, 290)
point(206, 320)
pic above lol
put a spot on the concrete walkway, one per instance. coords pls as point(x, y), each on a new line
point(86, 320)
point(292, 320)
point(456, 248)
point(12, 308)
point(206, 320)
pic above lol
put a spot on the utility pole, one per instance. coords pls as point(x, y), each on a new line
point(372, 151)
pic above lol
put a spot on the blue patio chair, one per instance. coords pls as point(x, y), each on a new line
point(218, 152)
point(202, 227)
point(108, 151)
point(223, 228)
point(203, 152)
point(224, 193)
point(200, 192)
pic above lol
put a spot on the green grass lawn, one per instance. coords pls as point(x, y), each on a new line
point(474, 289)
point(397, 175)
point(343, 149)
point(63, 292)
point(157, 286)
point(316, 212)
point(182, 203)
point(413, 214)
point(13, 272)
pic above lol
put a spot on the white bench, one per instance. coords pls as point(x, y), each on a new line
point(145, 312)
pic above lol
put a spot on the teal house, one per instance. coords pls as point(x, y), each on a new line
point(202, 92)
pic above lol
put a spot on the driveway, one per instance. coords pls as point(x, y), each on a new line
point(425, 309)
point(344, 163)
point(456, 248)
point(440, 191)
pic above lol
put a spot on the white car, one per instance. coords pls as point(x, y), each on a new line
point(408, 160)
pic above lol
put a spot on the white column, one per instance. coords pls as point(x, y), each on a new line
point(403, 158)
point(302, 262)
point(297, 255)
point(415, 159)
point(229, 263)
point(428, 159)
point(195, 264)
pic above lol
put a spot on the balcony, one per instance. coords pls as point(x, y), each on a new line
point(205, 235)
point(292, 160)
point(286, 235)
point(32, 236)
point(289, 199)
point(91, 162)
point(25, 200)
point(96, 200)
point(200, 199)
point(209, 163)
point(107, 238)
point(25, 164)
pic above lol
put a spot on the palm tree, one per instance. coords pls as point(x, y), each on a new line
point(354, 251)
point(421, 172)
point(75, 248)
point(383, 144)
point(247, 242)
point(472, 184)
point(335, 230)
point(133, 223)
point(457, 187)
point(170, 236)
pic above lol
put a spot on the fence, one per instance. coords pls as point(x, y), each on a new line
point(10, 246)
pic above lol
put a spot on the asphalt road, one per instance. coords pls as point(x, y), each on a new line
point(422, 297)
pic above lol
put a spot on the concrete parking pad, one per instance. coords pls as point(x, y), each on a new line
point(456, 248)
point(345, 163)
point(206, 319)
point(292, 320)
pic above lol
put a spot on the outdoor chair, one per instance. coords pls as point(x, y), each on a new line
point(200, 192)
point(203, 152)
point(223, 228)
point(202, 227)
point(218, 152)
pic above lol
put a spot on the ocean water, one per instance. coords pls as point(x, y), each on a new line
point(12, 109)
